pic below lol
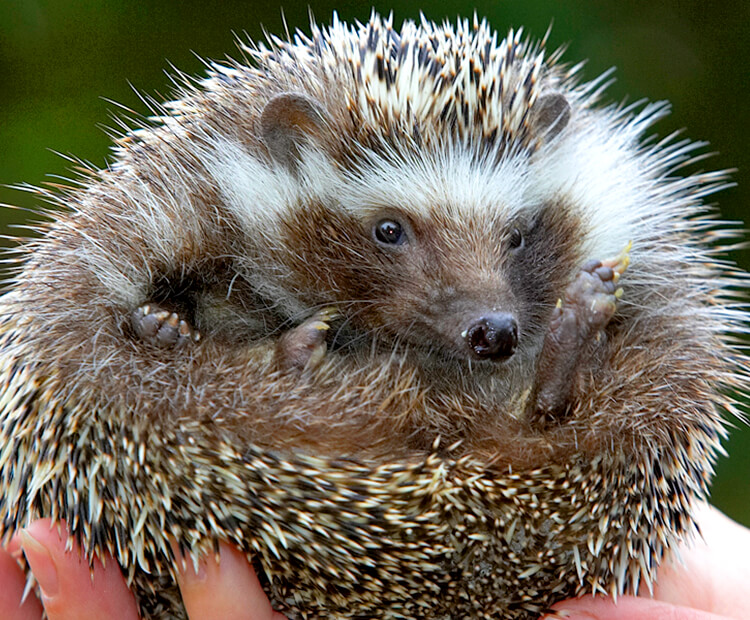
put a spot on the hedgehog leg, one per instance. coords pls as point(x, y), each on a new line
point(588, 305)
point(160, 327)
point(305, 345)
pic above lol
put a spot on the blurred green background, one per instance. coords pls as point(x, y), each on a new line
point(61, 59)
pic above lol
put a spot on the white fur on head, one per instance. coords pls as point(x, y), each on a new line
point(450, 109)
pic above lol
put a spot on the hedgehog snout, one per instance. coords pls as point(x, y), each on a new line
point(493, 336)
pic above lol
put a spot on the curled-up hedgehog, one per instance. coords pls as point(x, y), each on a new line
point(408, 316)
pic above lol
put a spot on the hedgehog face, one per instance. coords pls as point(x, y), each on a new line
point(431, 243)
point(434, 247)
point(445, 311)
point(469, 284)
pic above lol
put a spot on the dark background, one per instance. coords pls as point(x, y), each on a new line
point(60, 60)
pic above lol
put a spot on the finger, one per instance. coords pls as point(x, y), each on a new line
point(228, 589)
point(13, 582)
point(65, 580)
point(626, 608)
point(714, 571)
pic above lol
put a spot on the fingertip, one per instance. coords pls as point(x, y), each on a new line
point(12, 604)
point(71, 589)
point(227, 589)
point(42, 564)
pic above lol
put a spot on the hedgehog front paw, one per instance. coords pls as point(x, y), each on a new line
point(589, 302)
point(304, 347)
point(578, 321)
point(160, 327)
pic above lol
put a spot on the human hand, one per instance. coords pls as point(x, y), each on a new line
point(712, 584)
point(228, 590)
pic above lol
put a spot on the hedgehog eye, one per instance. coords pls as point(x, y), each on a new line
point(516, 240)
point(389, 232)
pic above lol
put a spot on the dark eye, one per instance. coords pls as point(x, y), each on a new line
point(516, 239)
point(389, 232)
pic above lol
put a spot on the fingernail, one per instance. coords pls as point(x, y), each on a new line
point(41, 563)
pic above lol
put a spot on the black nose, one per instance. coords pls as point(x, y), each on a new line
point(493, 336)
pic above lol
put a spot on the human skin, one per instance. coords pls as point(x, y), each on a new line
point(228, 589)
point(711, 584)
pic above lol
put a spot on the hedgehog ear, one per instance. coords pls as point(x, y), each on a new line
point(550, 115)
point(288, 121)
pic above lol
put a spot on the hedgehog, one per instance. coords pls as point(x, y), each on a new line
point(410, 316)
